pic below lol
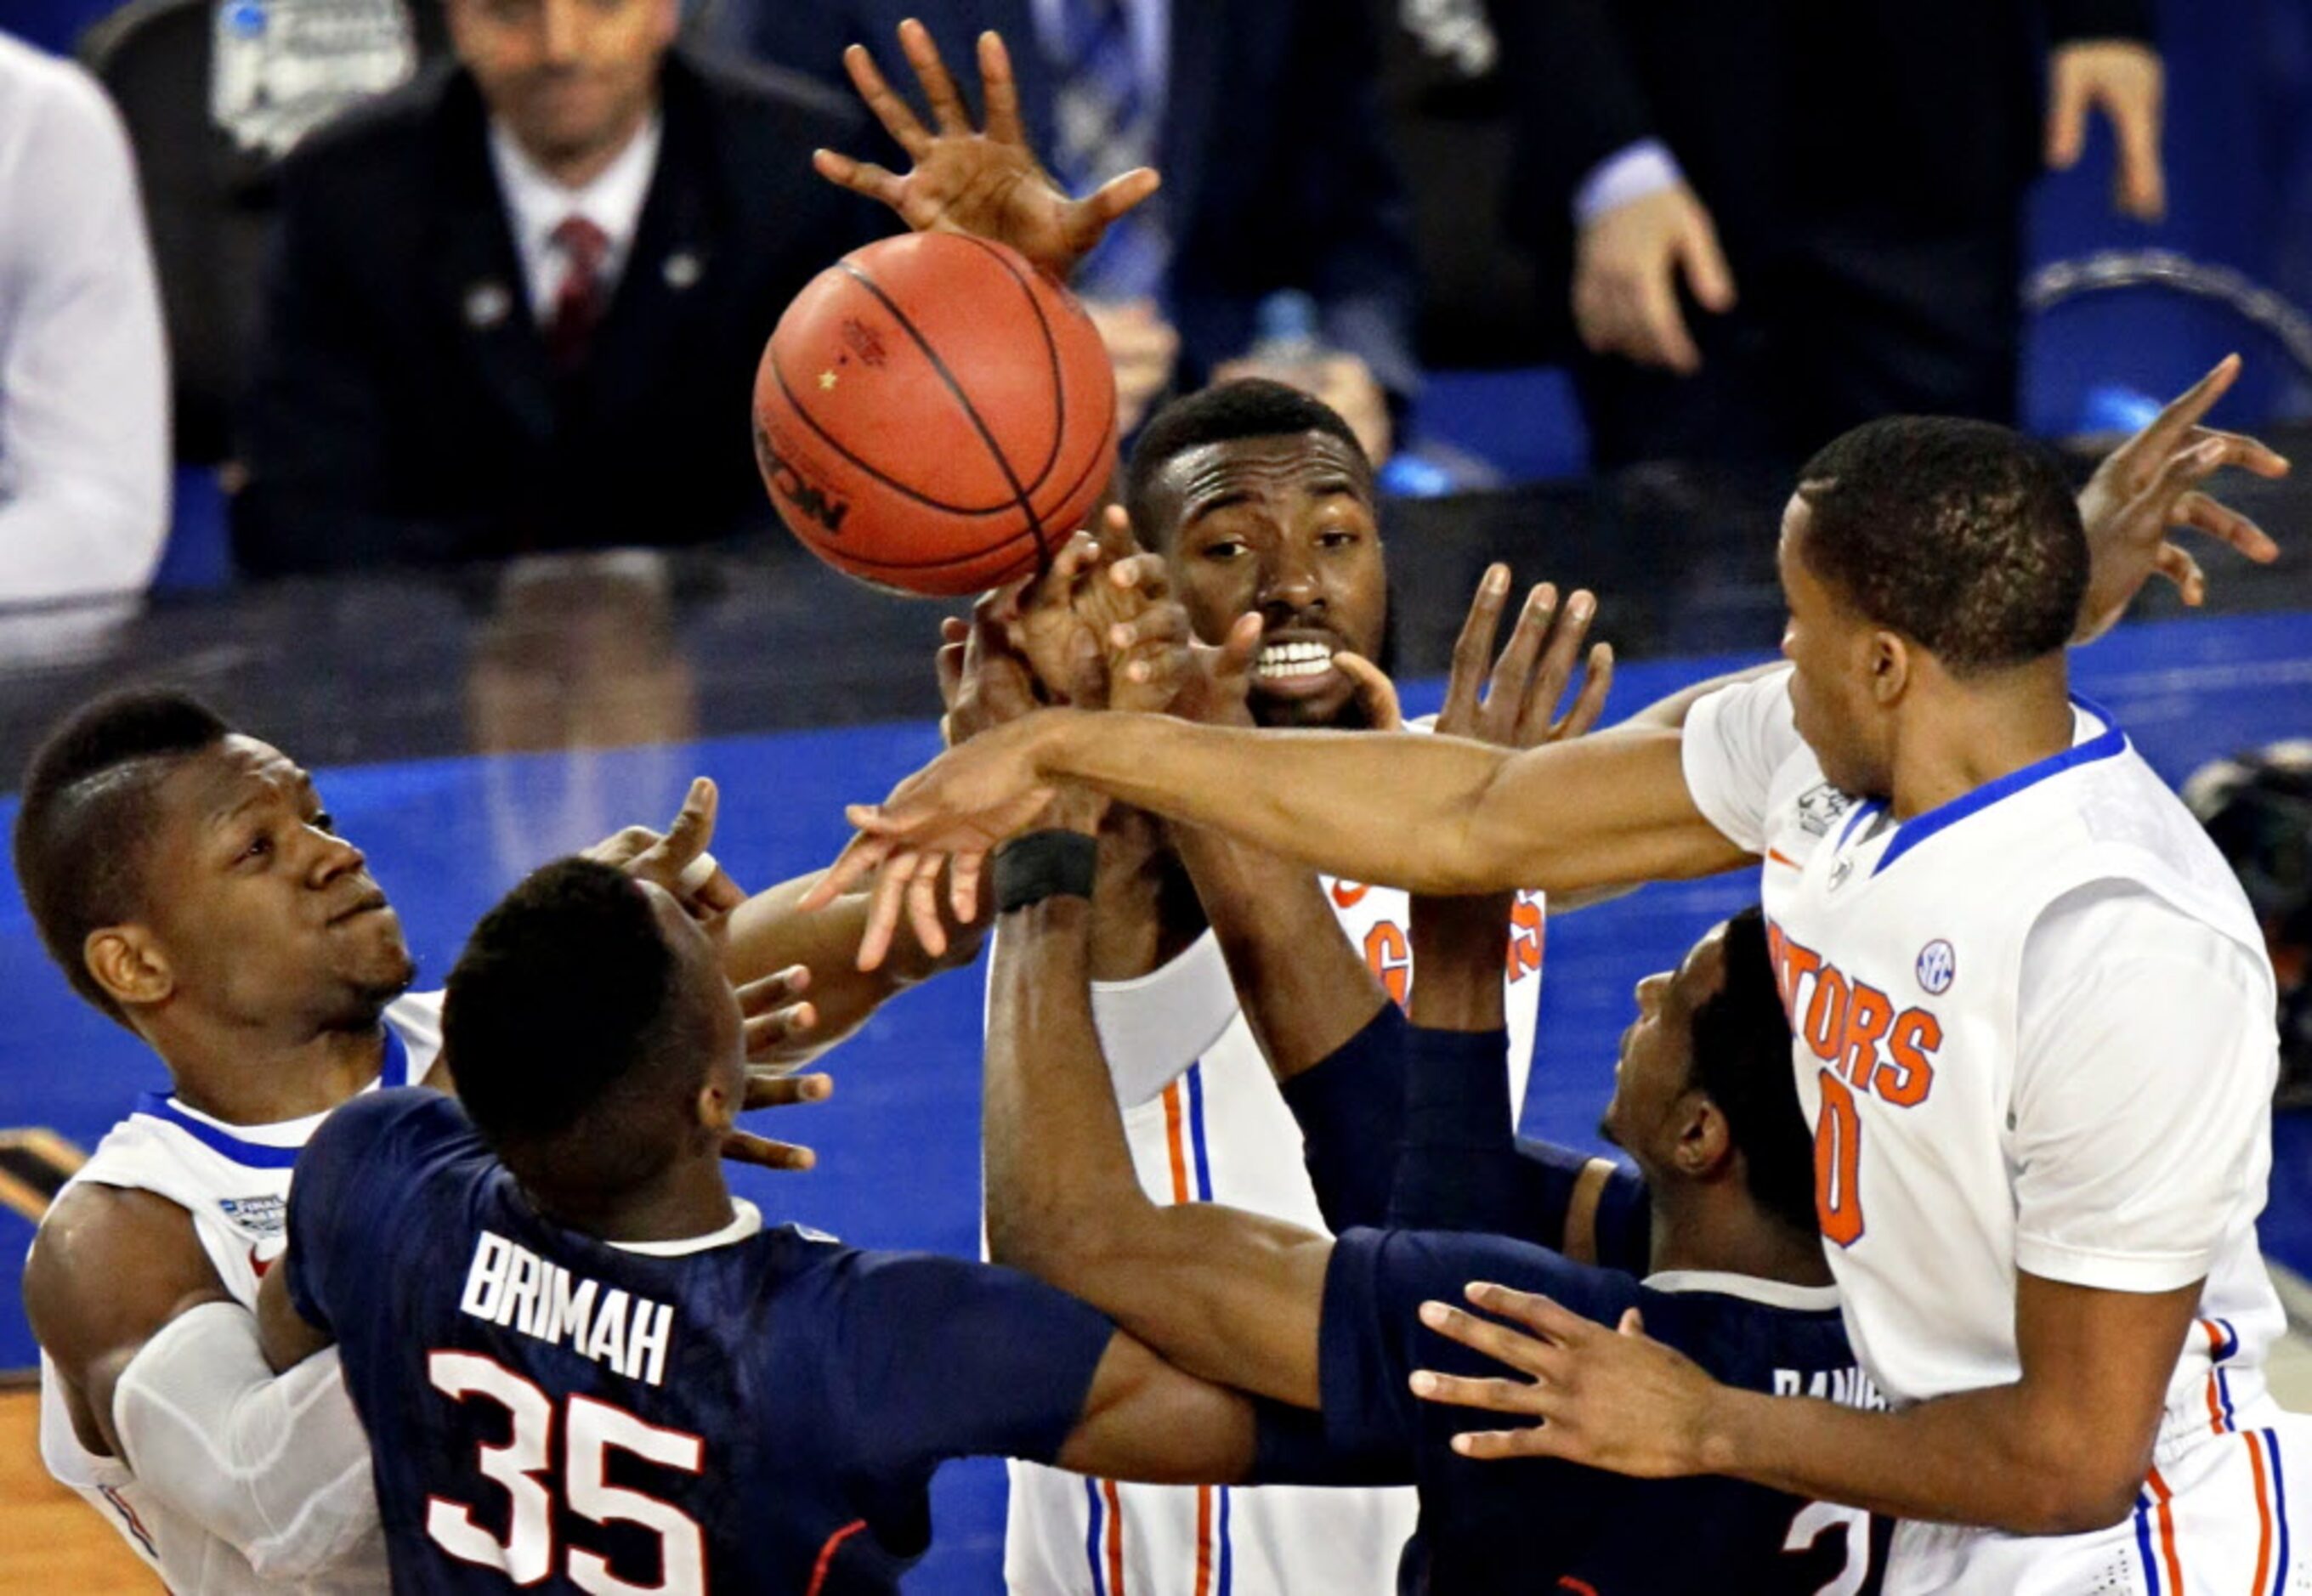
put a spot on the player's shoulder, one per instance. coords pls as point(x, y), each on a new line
point(108, 1265)
point(392, 1127)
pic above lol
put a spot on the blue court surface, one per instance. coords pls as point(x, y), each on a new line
point(899, 1158)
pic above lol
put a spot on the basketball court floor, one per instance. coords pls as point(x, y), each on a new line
point(899, 1153)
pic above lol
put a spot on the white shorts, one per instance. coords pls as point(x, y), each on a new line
point(1068, 1536)
point(2231, 1514)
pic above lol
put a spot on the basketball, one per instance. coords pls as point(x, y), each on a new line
point(934, 414)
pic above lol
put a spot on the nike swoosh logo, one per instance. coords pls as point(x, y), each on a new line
point(259, 1264)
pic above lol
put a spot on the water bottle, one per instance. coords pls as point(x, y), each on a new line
point(1287, 345)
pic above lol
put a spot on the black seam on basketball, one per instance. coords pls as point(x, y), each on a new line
point(865, 564)
point(851, 555)
point(1051, 359)
point(795, 403)
point(1091, 465)
point(995, 449)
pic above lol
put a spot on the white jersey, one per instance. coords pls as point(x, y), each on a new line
point(233, 1179)
point(2034, 1033)
point(1206, 1123)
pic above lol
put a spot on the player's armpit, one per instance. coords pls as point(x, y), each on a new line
point(109, 1267)
point(1144, 1419)
point(287, 1336)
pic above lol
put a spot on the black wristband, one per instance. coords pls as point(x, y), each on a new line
point(1041, 865)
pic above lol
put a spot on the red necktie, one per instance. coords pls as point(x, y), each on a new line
point(578, 304)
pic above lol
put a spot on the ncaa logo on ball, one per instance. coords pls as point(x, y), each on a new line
point(1937, 967)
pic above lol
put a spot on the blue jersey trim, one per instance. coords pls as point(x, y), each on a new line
point(1863, 812)
point(2279, 1506)
point(1203, 1192)
point(1092, 1539)
point(1228, 1563)
point(2111, 741)
point(396, 1070)
point(2143, 1544)
point(258, 1154)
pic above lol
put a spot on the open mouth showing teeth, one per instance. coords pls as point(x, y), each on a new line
point(1281, 662)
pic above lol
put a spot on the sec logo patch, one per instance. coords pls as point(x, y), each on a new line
point(1937, 967)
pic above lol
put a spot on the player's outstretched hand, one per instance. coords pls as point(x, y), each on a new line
point(946, 816)
point(676, 859)
point(2149, 486)
point(1521, 689)
point(988, 183)
point(1610, 1399)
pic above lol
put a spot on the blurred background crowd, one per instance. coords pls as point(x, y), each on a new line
point(309, 285)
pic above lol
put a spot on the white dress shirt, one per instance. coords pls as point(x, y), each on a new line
point(536, 205)
point(1630, 173)
point(84, 364)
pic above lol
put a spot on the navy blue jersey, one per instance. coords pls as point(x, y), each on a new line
point(1544, 1526)
point(550, 1411)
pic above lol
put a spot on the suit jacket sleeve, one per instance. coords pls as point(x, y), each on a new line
point(1570, 75)
point(810, 37)
point(2069, 20)
point(317, 426)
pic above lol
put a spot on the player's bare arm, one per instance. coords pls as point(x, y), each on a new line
point(1144, 1419)
point(109, 1267)
point(1224, 1294)
point(1430, 813)
point(767, 935)
point(984, 181)
point(2061, 1450)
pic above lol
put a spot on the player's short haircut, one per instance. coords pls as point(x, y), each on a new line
point(1960, 535)
point(564, 1030)
point(1742, 1062)
point(84, 833)
point(1249, 407)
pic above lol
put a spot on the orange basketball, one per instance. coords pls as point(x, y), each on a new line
point(934, 414)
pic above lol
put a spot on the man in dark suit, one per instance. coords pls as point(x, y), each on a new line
point(519, 303)
point(1264, 116)
point(1776, 221)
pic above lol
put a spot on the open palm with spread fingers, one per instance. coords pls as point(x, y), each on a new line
point(1611, 1399)
point(2151, 486)
point(984, 182)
